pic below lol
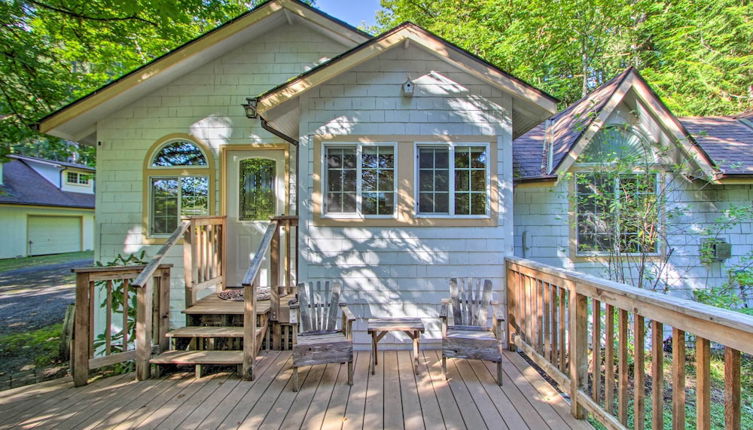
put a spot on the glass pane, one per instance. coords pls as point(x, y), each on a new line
point(386, 157)
point(370, 204)
point(194, 194)
point(426, 202)
point(462, 157)
point(334, 180)
point(349, 180)
point(462, 180)
point(442, 158)
point(369, 180)
point(426, 180)
point(386, 203)
point(478, 204)
point(349, 202)
point(386, 180)
point(478, 180)
point(341, 178)
point(370, 157)
point(256, 191)
point(165, 193)
point(442, 180)
point(425, 158)
point(179, 153)
point(478, 157)
point(462, 204)
point(442, 202)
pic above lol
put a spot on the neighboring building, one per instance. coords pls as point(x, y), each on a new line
point(715, 155)
point(46, 207)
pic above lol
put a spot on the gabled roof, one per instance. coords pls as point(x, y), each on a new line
point(406, 32)
point(76, 120)
point(64, 164)
point(727, 139)
point(22, 185)
point(552, 147)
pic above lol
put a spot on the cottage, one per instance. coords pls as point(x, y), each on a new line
point(395, 153)
point(46, 207)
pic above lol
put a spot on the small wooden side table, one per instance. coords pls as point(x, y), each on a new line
point(378, 327)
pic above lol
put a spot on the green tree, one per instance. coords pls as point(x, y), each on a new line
point(54, 51)
point(695, 53)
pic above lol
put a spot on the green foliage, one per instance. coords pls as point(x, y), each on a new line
point(696, 54)
point(54, 51)
point(118, 300)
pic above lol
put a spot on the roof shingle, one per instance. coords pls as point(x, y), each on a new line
point(726, 139)
point(22, 185)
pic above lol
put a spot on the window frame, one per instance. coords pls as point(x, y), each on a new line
point(149, 171)
point(324, 185)
point(590, 168)
point(77, 182)
point(451, 187)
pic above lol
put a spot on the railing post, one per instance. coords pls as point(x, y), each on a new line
point(578, 347)
point(512, 298)
point(274, 273)
point(249, 329)
point(188, 263)
point(164, 309)
point(144, 305)
point(82, 331)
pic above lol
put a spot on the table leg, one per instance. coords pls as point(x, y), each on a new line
point(373, 352)
point(415, 350)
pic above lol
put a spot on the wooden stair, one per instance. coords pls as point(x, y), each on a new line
point(213, 336)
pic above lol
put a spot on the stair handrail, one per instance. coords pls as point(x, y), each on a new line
point(250, 283)
point(155, 262)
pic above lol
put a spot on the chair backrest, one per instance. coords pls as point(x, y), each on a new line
point(470, 299)
point(318, 305)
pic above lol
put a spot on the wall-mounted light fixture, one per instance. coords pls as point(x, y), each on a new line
point(250, 107)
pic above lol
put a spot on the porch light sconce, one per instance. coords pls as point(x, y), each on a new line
point(250, 107)
point(408, 88)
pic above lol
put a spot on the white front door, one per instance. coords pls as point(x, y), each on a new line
point(255, 192)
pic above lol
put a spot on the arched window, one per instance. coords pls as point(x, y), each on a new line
point(179, 182)
point(617, 143)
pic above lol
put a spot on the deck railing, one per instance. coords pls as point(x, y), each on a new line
point(204, 251)
point(565, 322)
point(112, 289)
point(269, 248)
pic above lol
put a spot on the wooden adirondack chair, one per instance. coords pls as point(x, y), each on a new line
point(318, 341)
point(470, 336)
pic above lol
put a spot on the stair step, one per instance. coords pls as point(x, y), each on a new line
point(199, 357)
point(192, 331)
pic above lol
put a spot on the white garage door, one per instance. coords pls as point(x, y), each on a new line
point(54, 234)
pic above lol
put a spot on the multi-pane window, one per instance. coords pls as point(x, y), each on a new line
point(614, 213)
point(177, 195)
point(77, 178)
point(453, 179)
point(359, 179)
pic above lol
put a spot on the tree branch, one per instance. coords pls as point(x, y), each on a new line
point(89, 17)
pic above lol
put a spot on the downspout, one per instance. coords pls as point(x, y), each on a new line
point(266, 126)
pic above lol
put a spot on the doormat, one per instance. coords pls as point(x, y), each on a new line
point(236, 294)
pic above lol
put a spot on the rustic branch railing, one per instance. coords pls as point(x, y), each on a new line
point(549, 319)
point(99, 287)
point(204, 251)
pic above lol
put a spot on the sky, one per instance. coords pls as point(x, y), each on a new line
point(354, 12)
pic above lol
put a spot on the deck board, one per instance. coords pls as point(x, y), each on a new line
point(395, 397)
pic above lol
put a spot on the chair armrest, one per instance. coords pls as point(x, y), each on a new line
point(293, 303)
point(443, 312)
point(498, 319)
point(347, 312)
point(348, 319)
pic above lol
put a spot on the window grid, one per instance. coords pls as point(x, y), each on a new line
point(174, 197)
point(469, 180)
point(359, 179)
point(377, 180)
point(596, 225)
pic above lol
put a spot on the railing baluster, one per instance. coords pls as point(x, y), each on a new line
point(657, 375)
point(678, 379)
point(108, 318)
point(82, 345)
point(563, 327)
point(547, 300)
point(639, 375)
point(732, 389)
point(703, 383)
point(555, 327)
point(596, 350)
point(578, 348)
point(609, 360)
point(622, 368)
point(126, 284)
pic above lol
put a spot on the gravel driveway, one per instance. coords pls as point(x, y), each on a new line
point(35, 297)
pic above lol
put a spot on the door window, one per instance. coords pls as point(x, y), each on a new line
point(257, 198)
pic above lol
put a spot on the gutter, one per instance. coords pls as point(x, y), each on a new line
point(535, 179)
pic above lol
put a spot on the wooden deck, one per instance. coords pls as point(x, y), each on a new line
point(394, 398)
